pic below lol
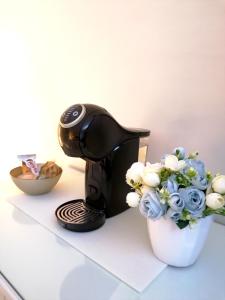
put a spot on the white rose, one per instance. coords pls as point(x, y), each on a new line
point(215, 201)
point(138, 166)
point(135, 172)
point(155, 168)
point(172, 163)
point(151, 179)
point(218, 184)
point(132, 199)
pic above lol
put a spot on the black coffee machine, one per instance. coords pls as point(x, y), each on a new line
point(90, 132)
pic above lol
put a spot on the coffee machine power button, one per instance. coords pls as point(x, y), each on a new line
point(72, 116)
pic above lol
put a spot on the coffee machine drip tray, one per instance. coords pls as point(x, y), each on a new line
point(76, 215)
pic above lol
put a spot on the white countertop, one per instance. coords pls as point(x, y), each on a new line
point(40, 265)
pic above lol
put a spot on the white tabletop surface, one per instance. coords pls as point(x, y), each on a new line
point(40, 265)
point(118, 246)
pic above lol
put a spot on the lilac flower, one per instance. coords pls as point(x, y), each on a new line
point(179, 152)
point(174, 215)
point(171, 185)
point(200, 180)
point(176, 202)
point(151, 207)
point(194, 200)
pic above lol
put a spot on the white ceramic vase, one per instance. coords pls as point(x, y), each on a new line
point(175, 246)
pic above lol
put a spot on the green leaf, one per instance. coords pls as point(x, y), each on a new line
point(182, 224)
point(220, 212)
point(177, 152)
point(191, 173)
point(209, 176)
point(209, 211)
point(165, 174)
point(164, 194)
point(182, 180)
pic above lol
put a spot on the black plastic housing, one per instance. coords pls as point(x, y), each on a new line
point(90, 132)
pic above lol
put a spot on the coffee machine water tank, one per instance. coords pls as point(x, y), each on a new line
point(91, 133)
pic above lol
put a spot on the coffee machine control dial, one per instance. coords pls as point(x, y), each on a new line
point(72, 116)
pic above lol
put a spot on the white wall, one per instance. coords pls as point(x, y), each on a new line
point(157, 64)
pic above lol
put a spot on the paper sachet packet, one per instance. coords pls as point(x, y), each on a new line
point(30, 169)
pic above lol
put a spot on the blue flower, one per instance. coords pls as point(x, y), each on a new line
point(179, 152)
point(198, 165)
point(200, 180)
point(174, 215)
point(194, 200)
point(151, 207)
point(176, 202)
point(171, 185)
point(200, 183)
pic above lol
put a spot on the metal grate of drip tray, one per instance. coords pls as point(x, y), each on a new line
point(76, 215)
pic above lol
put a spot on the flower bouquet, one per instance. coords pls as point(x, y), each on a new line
point(178, 188)
point(176, 193)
